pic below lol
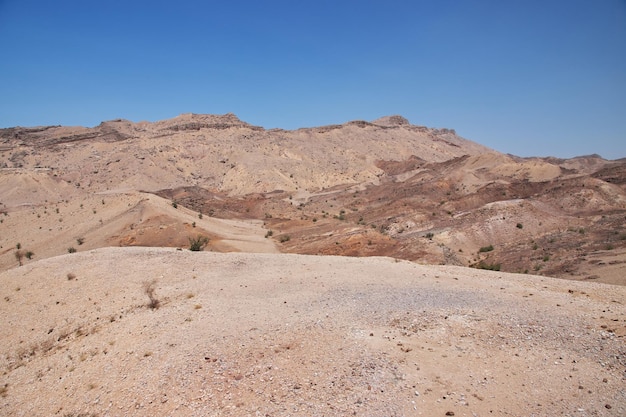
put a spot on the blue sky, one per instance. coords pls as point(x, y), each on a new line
point(531, 78)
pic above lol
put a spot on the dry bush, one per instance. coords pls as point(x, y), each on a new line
point(19, 255)
point(149, 289)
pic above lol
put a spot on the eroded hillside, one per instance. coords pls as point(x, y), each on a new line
point(385, 187)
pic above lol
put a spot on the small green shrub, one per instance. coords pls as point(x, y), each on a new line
point(71, 249)
point(519, 226)
point(284, 238)
point(490, 267)
point(486, 248)
point(198, 243)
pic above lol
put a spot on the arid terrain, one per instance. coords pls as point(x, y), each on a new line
point(447, 278)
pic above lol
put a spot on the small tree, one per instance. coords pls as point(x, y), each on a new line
point(198, 243)
point(30, 254)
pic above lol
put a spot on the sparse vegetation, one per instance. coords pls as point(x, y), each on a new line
point(19, 255)
point(198, 243)
point(29, 254)
point(486, 249)
point(71, 249)
point(284, 238)
point(174, 204)
point(488, 266)
point(149, 287)
point(269, 233)
point(519, 226)
point(80, 240)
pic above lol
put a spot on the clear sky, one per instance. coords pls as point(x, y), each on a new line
point(527, 77)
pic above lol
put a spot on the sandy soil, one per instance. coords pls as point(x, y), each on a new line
point(278, 335)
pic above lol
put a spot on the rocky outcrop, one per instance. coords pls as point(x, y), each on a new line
point(394, 120)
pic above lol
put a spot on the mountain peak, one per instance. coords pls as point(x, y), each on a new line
point(394, 120)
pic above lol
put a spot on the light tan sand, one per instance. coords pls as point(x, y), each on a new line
point(283, 335)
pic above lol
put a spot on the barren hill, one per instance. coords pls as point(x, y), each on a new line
point(222, 153)
point(106, 312)
point(385, 187)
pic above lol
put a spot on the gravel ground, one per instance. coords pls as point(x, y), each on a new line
point(285, 335)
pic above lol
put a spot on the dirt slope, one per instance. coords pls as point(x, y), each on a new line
point(264, 334)
point(120, 219)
